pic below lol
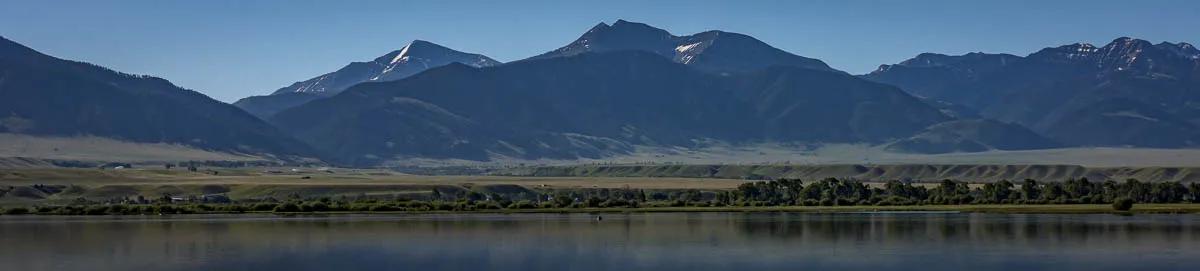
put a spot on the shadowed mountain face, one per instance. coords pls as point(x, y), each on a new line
point(42, 95)
point(1127, 93)
point(711, 51)
point(414, 58)
point(593, 105)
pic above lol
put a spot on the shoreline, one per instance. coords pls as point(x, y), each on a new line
point(1169, 208)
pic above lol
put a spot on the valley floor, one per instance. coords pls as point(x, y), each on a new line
point(61, 185)
point(841, 154)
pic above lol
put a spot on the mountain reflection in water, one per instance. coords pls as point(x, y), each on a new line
point(649, 241)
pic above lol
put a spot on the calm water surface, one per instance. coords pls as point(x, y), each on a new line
point(661, 241)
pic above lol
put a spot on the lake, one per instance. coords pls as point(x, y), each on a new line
point(638, 241)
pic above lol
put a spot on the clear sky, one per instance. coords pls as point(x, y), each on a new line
point(230, 49)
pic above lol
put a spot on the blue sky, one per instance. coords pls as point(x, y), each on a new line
point(232, 49)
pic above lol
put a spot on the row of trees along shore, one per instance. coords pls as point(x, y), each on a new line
point(781, 192)
point(833, 192)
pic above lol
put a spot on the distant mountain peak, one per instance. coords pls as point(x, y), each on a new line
point(415, 57)
point(734, 52)
point(598, 27)
point(623, 24)
point(969, 61)
point(926, 60)
point(1181, 49)
point(1127, 42)
point(419, 48)
point(1127, 92)
point(1122, 53)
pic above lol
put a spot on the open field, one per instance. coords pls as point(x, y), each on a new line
point(101, 149)
point(841, 154)
point(25, 151)
point(96, 184)
point(178, 176)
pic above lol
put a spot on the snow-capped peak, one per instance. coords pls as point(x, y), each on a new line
point(413, 58)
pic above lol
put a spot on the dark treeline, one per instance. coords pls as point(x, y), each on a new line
point(782, 192)
point(835, 192)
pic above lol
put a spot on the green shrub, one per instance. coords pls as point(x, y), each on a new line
point(358, 207)
point(1123, 204)
point(383, 207)
point(66, 210)
point(233, 208)
point(287, 208)
point(523, 204)
point(487, 205)
point(615, 203)
point(442, 206)
point(16, 211)
point(116, 209)
point(263, 207)
point(165, 209)
point(464, 206)
point(417, 205)
point(315, 207)
point(95, 210)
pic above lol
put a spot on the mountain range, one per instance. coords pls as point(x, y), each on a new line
point(626, 85)
point(597, 104)
point(1129, 92)
point(710, 51)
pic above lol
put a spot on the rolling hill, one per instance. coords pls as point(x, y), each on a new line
point(45, 96)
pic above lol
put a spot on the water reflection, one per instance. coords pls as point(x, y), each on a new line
point(664, 241)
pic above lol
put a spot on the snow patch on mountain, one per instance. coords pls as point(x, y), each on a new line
point(685, 53)
point(413, 58)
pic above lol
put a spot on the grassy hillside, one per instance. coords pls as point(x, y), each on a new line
point(928, 173)
point(31, 149)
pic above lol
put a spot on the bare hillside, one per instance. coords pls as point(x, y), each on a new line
point(920, 173)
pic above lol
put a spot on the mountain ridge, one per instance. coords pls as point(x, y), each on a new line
point(711, 51)
point(413, 58)
point(595, 105)
point(43, 95)
point(1129, 92)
